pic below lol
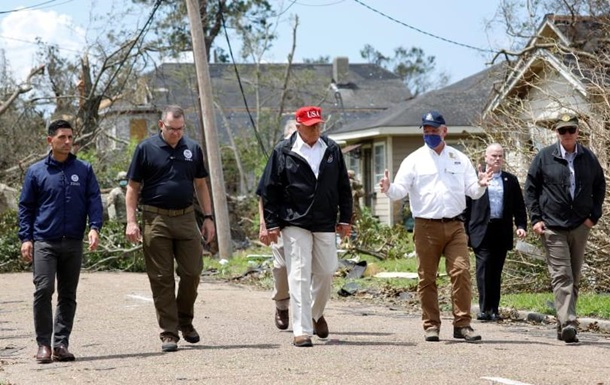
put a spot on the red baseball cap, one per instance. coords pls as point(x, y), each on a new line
point(309, 115)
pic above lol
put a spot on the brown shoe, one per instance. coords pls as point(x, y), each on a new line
point(302, 342)
point(61, 353)
point(281, 319)
point(189, 334)
point(44, 354)
point(320, 327)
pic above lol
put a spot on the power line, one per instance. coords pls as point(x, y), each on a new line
point(35, 6)
point(424, 32)
point(241, 87)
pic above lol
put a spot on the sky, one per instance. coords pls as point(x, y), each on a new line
point(445, 29)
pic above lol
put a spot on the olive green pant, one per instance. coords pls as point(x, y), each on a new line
point(167, 238)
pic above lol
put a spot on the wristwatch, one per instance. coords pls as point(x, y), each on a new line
point(208, 216)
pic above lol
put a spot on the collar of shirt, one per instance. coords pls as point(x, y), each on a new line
point(566, 155)
point(312, 154)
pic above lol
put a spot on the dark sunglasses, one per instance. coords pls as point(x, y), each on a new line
point(563, 130)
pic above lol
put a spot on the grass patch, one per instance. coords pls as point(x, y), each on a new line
point(589, 304)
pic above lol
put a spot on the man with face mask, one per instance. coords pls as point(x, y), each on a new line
point(116, 200)
point(437, 179)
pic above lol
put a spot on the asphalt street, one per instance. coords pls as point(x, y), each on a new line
point(115, 340)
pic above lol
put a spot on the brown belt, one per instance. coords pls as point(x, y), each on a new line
point(458, 218)
point(169, 213)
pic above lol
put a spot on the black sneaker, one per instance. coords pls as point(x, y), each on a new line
point(466, 333)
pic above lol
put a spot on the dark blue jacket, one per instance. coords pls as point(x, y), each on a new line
point(56, 200)
point(292, 196)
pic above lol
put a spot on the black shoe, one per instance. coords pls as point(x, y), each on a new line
point(496, 317)
point(483, 317)
point(568, 334)
point(189, 334)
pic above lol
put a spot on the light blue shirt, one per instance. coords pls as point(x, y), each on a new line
point(495, 189)
point(570, 156)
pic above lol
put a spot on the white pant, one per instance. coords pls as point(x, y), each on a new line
point(311, 260)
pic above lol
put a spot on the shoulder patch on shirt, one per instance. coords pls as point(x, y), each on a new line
point(330, 158)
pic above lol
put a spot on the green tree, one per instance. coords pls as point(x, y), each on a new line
point(173, 31)
point(412, 65)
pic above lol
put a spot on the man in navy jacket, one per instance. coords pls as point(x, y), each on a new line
point(304, 186)
point(59, 193)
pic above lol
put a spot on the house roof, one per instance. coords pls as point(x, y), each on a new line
point(360, 91)
point(553, 46)
point(460, 103)
point(365, 87)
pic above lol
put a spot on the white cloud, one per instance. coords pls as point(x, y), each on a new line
point(19, 31)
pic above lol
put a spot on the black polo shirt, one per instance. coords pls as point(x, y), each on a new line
point(167, 173)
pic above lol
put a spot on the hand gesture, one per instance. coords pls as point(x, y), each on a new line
point(384, 183)
point(484, 176)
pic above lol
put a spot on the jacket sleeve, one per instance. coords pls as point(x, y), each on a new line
point(95, 210)
point(271, 189)
point(533, 189)
point(519, 212)
point(346, 204)
point(27, 208)
point(599, 191)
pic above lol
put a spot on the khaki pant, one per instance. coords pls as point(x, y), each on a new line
point(311, 260)
point(167, 238)
point(565, 253)
point(434, 239)
point(281, 294)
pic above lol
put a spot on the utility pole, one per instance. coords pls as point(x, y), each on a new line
point(221, 212)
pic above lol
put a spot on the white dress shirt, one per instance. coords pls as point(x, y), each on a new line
point(312, 154)
point(437, 185)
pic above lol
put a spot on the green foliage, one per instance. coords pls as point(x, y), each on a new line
point(411, 65)
point(10, 245)
point(382, 240)
point(115, 252)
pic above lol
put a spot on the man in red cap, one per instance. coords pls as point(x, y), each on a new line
point(304, 186)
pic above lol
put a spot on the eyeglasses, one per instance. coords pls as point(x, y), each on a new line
point(563, 130)
point(169, 128)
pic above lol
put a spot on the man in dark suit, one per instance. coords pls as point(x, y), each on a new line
point(489, 224)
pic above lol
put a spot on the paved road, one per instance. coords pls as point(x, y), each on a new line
point(115, 340)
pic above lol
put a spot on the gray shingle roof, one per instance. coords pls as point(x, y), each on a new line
point(461, 104)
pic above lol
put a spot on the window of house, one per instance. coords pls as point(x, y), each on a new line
point(379, 161)
point(353, 163)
